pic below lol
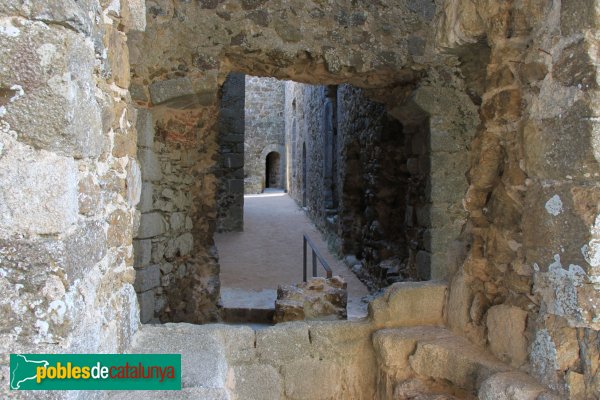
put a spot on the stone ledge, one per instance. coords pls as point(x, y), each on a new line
point(410, 304)
point(169, 90)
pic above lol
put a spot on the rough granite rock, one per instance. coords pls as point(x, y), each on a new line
point(317, 299)
point(506, 334)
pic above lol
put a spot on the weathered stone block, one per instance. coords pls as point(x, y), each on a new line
point(283, 342)
point(145, 128)
point(410, 304)
point(577, 67)
point(563, 145)
point(177, 221)
point(205, 99)
point(180, 246)
point(576, 384)
point(311, 379)
point(138, 93)
point(39, 190)
point(252, 4)
point(118, 56)
point(286, 31)
point(447, 105)
point(146, 203)
point(506, 334)
point(565, 292)
point(134, 183)
point(152, 224)
point(289, 310)
point(550, 218)
point(459, 302)
point(142, 252)
point(170, 90)
point(89, 195)
point(146, 300)
point(344, 338)
point(257, 382)
point(203, 363)
point(51, 72)
point(510, 385)
point(124, 144)
point(455, 359)
point(76, 253)
point(577, 15)
point(71, 13)
point(151, 170)
point(147, 278)
point(85, 247)
point(446, 140)
point(319, 298)
point(135, 15)
point(119, 231)
point(394, 346)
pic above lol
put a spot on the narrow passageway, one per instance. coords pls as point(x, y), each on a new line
point(269, 253)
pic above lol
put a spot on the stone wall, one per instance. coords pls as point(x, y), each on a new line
point(388, 194)
point(440, 120)
point(70, 178)
point(304, 124)
point(163, 246)
point(374, 186)
point(529, 287)
point(265, 131)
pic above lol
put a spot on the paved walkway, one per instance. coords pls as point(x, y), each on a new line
point(269, 253)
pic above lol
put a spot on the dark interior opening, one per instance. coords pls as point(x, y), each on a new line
point(273, 177)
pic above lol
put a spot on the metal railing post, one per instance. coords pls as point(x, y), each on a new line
point(304, 277)
point(315, 254)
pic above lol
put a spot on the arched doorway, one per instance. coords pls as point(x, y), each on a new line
point(273, 176)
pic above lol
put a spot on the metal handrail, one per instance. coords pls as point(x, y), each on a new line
point(315, 255)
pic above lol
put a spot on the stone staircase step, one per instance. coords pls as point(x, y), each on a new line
point(455, 359)
point(436, 355)
point(248, 306)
